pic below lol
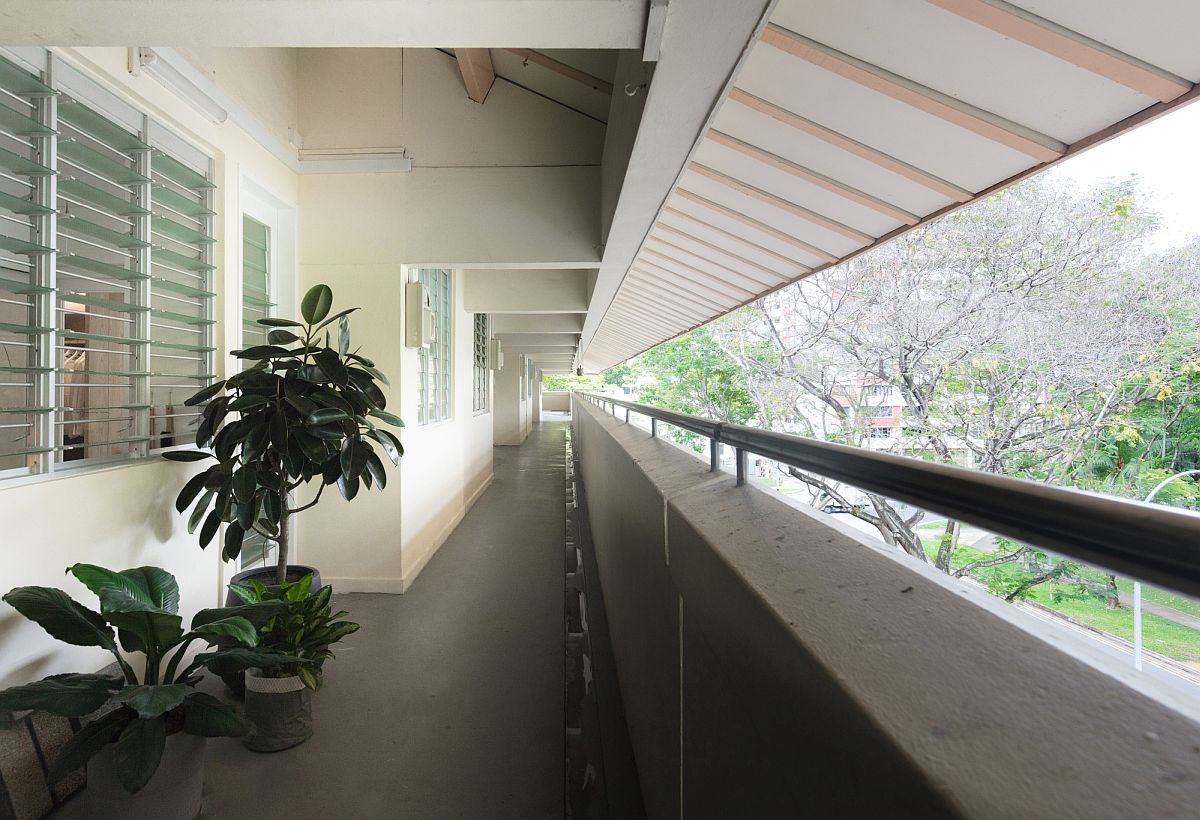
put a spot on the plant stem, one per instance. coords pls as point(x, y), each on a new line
point(281, 543)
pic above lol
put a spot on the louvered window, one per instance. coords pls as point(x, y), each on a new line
point(257, 297)
point(480, 360)
point(435, 363)
point(26, 274)
point(257, 303)
point(105, 277)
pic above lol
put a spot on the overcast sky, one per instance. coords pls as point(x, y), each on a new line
point(1164, 155)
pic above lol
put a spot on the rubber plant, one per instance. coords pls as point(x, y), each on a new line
point(303, 411)
point(139, 610)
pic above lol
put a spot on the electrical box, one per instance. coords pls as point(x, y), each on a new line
point(496, 355)
point(418, 316)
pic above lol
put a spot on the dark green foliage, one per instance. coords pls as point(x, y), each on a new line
point(304, 411)
point(303, 629)
point(142, 606)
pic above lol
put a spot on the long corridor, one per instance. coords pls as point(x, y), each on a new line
point(448, 703)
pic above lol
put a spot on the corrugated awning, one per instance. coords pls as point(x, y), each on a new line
point(851, 121)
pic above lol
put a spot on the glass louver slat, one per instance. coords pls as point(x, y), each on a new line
point(17, 164)
point(96, 266)
point(14, 122)
point(179, 260)
point(84, 119)
point(177, 202)
point(179, 173)
point(11, 243)
point(104, 201)
point(18, 81)
point(99, 163)
point(180, 233)
point(71, 222)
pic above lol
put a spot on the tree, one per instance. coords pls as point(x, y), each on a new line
point(1015, 331)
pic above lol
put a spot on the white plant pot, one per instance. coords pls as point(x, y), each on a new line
point(173, 793)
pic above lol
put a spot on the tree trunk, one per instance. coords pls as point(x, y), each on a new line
point(1112, 599)
point(947, 546)
point(281, 543)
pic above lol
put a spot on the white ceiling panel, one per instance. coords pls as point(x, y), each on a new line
point(852, 120)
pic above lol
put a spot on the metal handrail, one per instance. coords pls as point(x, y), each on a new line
point(1153, 543)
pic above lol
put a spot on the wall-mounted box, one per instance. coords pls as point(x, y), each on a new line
point(419, 327)
point(495, 355)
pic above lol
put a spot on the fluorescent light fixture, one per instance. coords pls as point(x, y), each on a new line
point(150, 61)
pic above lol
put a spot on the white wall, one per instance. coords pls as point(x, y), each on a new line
point(124, 516)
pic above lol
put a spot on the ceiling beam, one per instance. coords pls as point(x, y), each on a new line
point(852, 146)
point(810, 176)
point(504, 324)
point(320, 23)
point(721, 284)
point(768, 198)
point(976, 120)
point(1070, 46)
point(475, 65)
point(568, 71)
point(787, 260)
point(782, 277)
point(750, 222)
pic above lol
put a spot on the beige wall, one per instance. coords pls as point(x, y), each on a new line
point(124, 516)
point(262, 80)
point(414, 99)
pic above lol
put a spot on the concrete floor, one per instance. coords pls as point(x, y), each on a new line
point(448, 703)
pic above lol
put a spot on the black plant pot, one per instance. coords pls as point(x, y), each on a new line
point(264, 575)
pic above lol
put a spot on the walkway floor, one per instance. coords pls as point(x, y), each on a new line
point(448, 703)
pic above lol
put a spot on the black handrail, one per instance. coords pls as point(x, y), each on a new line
point(1156, 544)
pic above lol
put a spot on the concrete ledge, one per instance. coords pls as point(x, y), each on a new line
point(818, 675)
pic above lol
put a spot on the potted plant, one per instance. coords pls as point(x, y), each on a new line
point(304, 411)
point(144, 748)
point(279, 695)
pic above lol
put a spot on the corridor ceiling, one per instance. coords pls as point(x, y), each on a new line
point(849, 122)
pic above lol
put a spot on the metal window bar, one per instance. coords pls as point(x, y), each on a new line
point(1156, 544)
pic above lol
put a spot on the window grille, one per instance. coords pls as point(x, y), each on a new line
point(105, 278)
point(435, 361)
point(480, 358)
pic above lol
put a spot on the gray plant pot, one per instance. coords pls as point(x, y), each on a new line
point(173, 793)
point(281, 711)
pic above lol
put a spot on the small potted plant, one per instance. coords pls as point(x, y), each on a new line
point(279, 695)
point(144, 747)
point(303, 411)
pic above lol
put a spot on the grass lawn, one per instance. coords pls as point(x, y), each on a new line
point(1163, 636)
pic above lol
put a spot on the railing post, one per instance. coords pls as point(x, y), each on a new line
point(740, 456)
point(714, 455)
point(627, 415)
point(653, 428)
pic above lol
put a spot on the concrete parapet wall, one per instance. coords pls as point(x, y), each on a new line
point(772, 665)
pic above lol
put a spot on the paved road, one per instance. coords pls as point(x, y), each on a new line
point(1170, 613)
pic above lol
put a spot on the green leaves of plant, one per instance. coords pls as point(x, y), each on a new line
point(186, 455)
point(204, 395)
point(67, 621)
point(149, 586)
point(139, 751)
point(231, 631)
point(316, 303)
point(87, 742)
point(152, 701)
point(70, 695)
point(206, 716)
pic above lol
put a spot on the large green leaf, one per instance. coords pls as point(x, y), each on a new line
point(376, 469)
point(54, 611)
point(70, 695)
point(87, 742)
point(139, 751)
point(354, 457)
point(232, 631)
point(257, 614)
point(239, 658)
point(190, 490)
point(273, 322)
point(147, 630)
point(316, 303)
point(152, 587)
point(235, 535)
point(152, 701)
point(331, 365)
point(205, 394)
point(206, 716)
point(186, 455)
point(389, 418)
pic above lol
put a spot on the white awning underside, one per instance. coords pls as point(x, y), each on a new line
point(851, 121)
